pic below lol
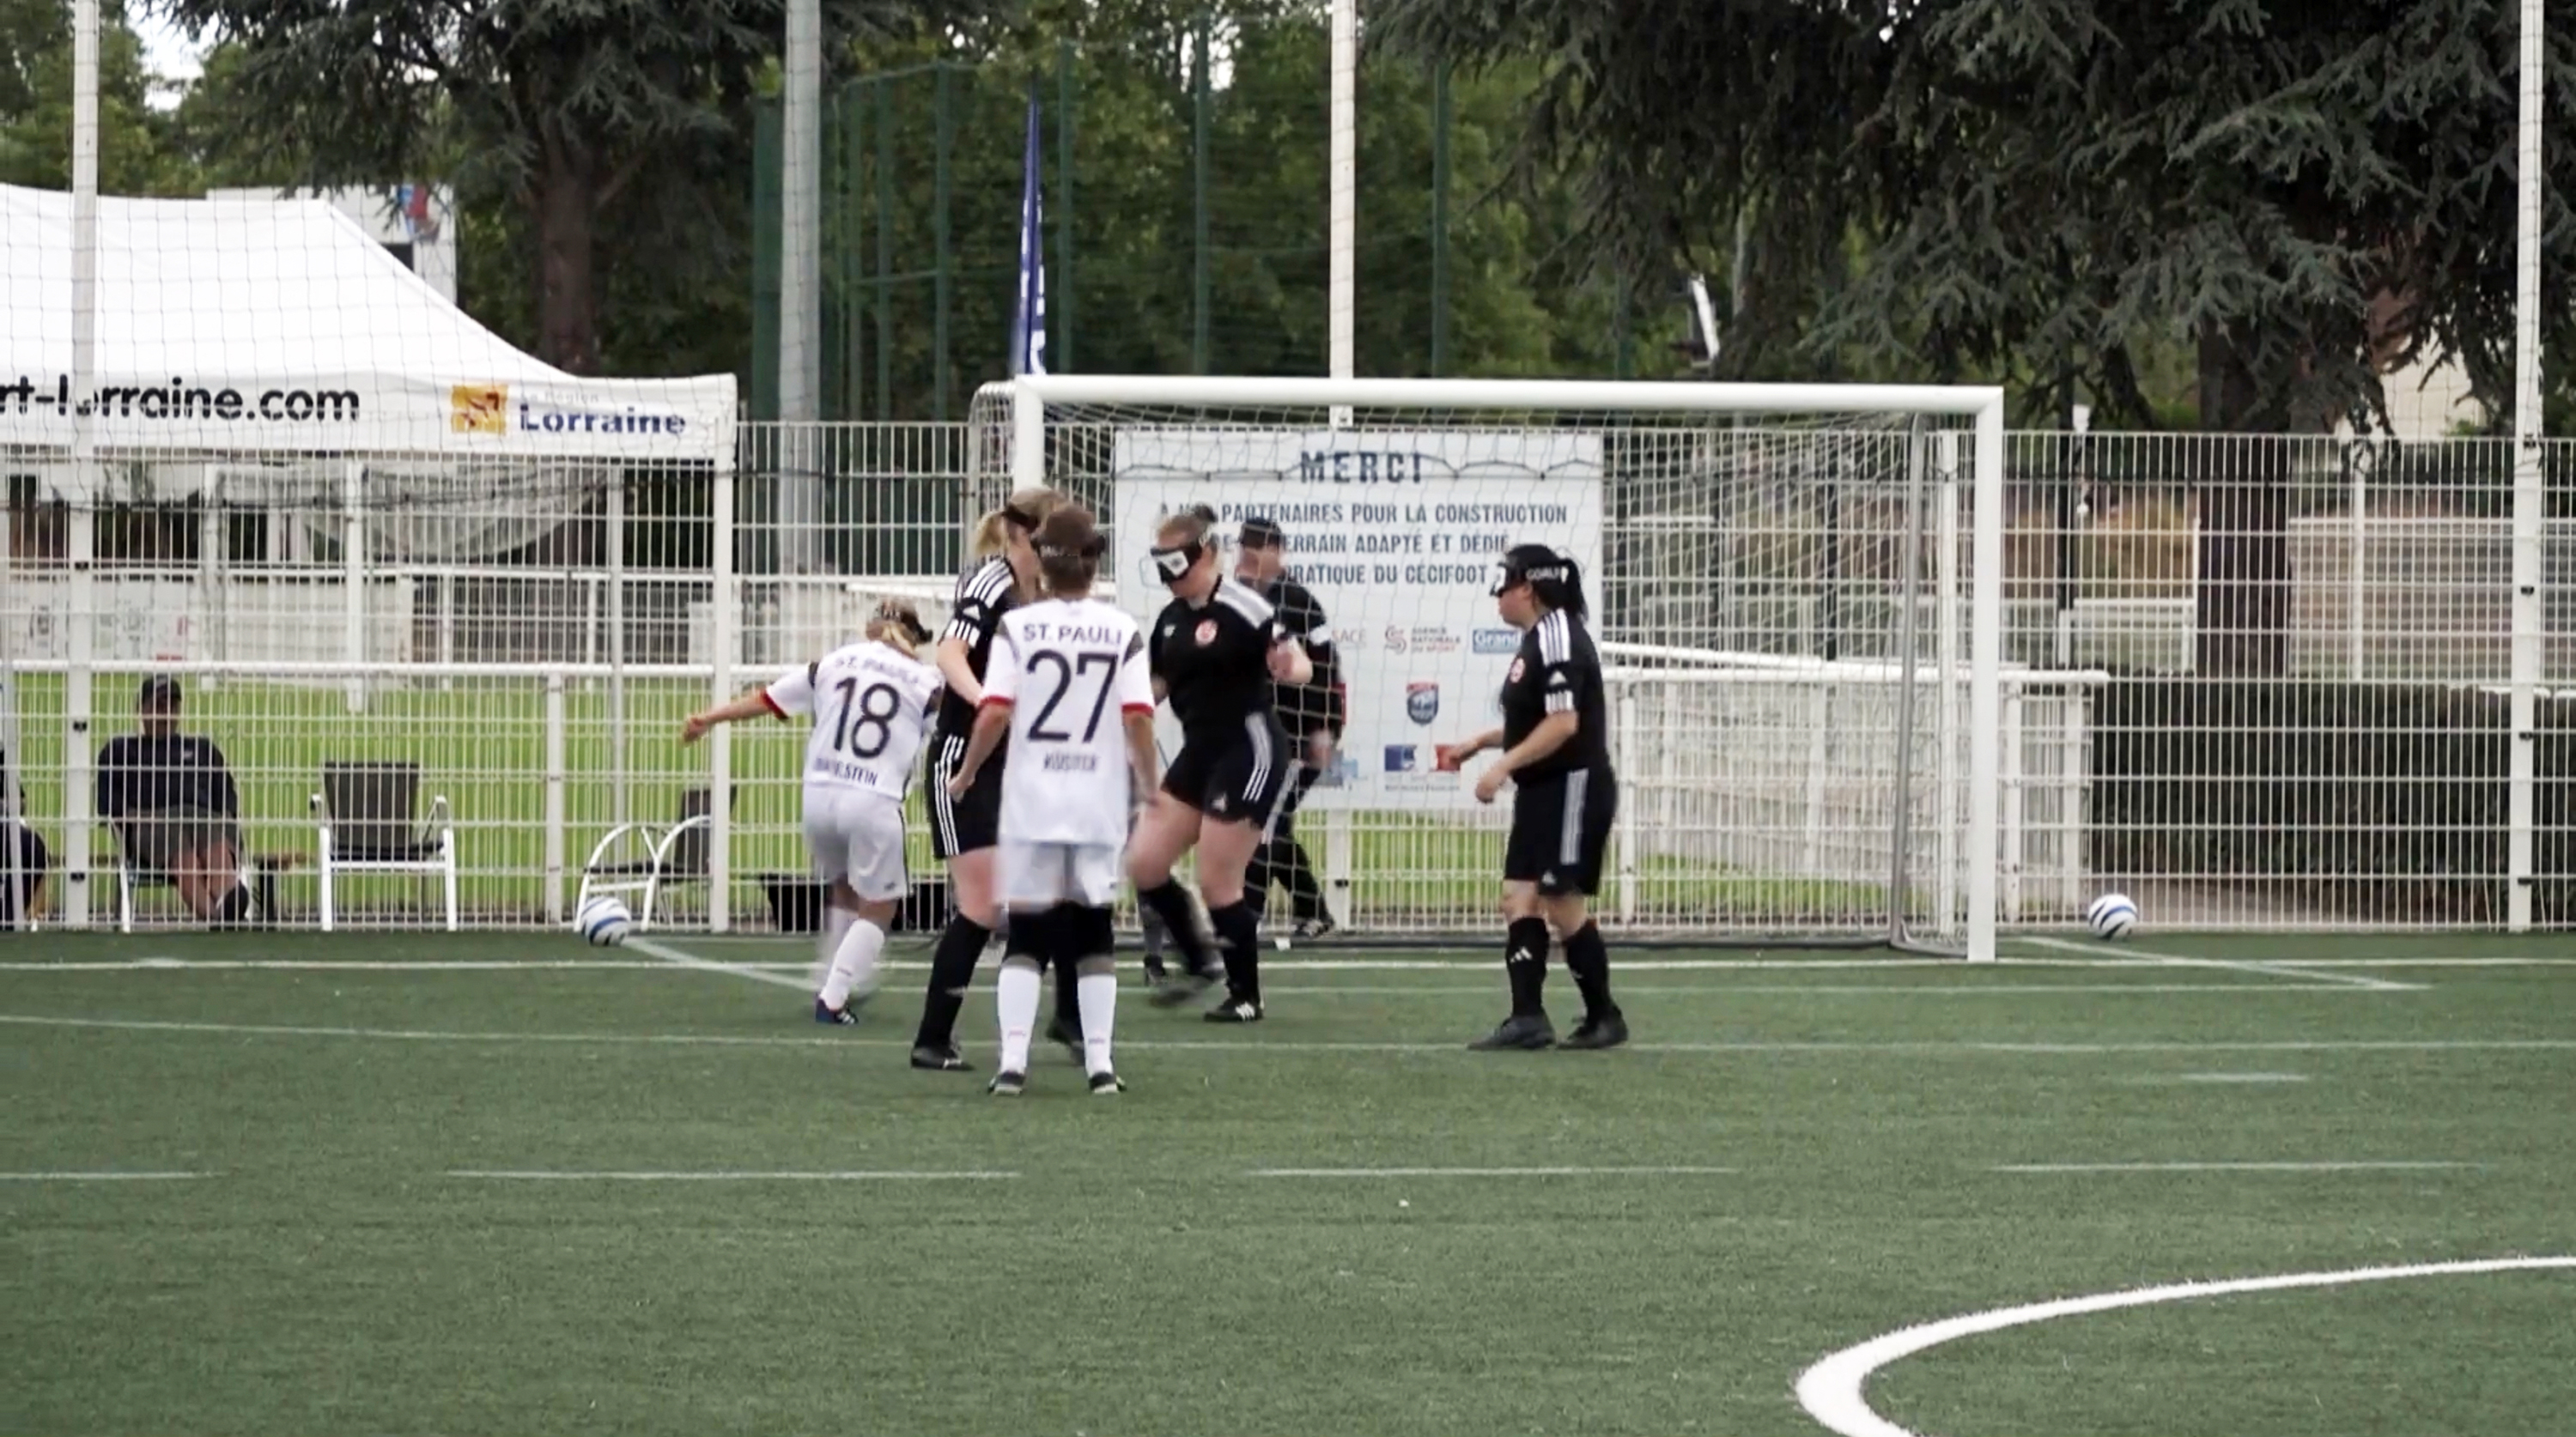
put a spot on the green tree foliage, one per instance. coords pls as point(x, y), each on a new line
point(2307, 192)
point(592, 120)
point(136, 153)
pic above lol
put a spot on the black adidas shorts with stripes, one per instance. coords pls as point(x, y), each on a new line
point(1234, 775)
point(1561, 831)
point(965, 822)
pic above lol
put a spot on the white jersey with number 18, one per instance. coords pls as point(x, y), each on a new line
point(1071, 670)
point(870, 705)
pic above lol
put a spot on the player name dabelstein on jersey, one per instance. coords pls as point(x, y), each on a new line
point(1071, 670)
point(871, 705)
point(984, 594)
point(1214, 659)
point(1557, 671)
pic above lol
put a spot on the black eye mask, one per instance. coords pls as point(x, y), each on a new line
point(1174, 562)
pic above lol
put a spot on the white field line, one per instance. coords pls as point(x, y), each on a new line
point(101, 1175)
point(1549, 1172)
point(1293, 1046)
point(2354, 1166)
point(1831, 1390)
point(2166, 1079)
point(2274, 970)
point(855, 1176)
point(1474, 981)
point(674, 956)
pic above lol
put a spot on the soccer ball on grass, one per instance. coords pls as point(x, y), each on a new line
point(2112, 915)
point(604, 921)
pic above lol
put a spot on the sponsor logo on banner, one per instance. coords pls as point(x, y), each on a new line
point(1444, 757)
point(1495, 641)
point(1394, 639)
point(1422, 702)
point(1428, 640)
point(1340, 772)
point(1350, 641)
point(478, 408)
point(1400, 758)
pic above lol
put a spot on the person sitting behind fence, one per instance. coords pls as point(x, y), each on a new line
point(22, 877)
point(171, 800)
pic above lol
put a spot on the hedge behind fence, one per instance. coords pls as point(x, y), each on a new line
point(2376, 801)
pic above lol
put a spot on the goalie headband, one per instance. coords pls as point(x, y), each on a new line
point(1091, 548)
point(1531, 564)
point(904, 620)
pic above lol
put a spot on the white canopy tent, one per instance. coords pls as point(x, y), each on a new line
point(235, 325)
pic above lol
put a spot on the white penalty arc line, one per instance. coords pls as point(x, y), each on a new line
point(708, 965)
point(1293, 1047)
point(1831, 1390)
point(100, 1177)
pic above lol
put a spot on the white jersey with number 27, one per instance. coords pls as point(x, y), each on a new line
point(1071, 670)
point(870, 704)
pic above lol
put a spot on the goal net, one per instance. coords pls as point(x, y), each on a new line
point(1795, 591)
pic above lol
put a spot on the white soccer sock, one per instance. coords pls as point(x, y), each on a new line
point(1098, 995)
point(855, 964)
point(1015, 997)
point(827, 944)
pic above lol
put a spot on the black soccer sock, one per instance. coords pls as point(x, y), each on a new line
point(952, 972)
point(1589, 960)
point(1305, 894)
point(1525, 963)
point(1171, 903)
point(1256, 877)
point(1238, 933)
point(234, 906)
point(1066, 933)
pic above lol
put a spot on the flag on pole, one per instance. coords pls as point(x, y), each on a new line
point(1028, 318)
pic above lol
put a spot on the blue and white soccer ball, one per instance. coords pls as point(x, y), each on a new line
point(2112, 915)
point(604, 921)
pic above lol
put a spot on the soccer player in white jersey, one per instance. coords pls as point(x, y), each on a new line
point(871, 703)
point(1057, 668)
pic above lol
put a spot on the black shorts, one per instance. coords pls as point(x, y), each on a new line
point(1233, 775)
point(967, 822)
point(1561, 831)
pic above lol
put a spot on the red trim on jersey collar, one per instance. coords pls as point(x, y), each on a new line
point(773, 704)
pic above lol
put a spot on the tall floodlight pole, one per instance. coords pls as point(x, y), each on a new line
point(800, 355)
point(2530, 501)
point(1344, 185)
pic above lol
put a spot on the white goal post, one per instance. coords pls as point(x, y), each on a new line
point(1797, 590)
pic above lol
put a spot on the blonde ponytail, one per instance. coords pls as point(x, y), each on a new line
point(1027, 508)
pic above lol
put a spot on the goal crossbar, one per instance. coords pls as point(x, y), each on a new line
point(1032, 396)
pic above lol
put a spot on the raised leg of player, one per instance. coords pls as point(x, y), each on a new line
point(1225, 856)
point(1166, 830)
point(855, 962)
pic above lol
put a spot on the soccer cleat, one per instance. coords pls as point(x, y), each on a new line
point(941, 1059)
point(1235, 1010)
point(1178, 990)
point(1310, 928)
point(1104, 1084)
point(1607, 1030)
point(1529, 1031)
point(1069, 1034)
point(1007, 1084)
point(841, 1015)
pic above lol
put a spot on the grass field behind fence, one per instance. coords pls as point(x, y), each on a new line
point(482, 744)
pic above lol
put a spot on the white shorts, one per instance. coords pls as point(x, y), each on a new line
point(857, 835)
point(1041, 875)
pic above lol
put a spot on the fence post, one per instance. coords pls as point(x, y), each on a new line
point(724, 615)
point(555, 798)
point(353, 574)
point(1060, 343)
point(946, 141)
point(1200, 93)
point(885, 246)
point(766, 150)
point(1440, 118)
point(80, 630)
point(617, 647)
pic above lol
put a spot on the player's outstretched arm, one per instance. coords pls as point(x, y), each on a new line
point(751, 705)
